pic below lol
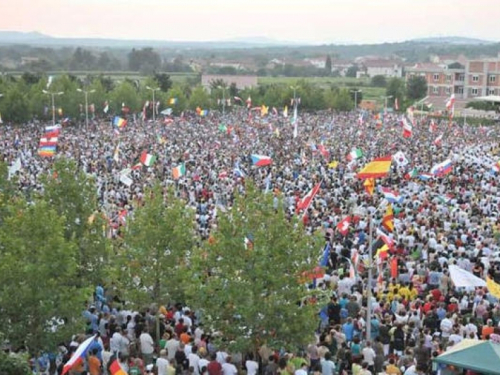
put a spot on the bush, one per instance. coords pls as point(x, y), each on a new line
point(13, 364)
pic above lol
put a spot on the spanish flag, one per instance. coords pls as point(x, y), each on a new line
point(369, 185)
point(388, 219)
point(116, 368)
point(377, 168)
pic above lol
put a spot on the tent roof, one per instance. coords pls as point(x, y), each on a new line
point(489, 98)
point(480, 356)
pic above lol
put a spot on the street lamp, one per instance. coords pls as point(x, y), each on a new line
point(154, 103)
point(52, 94)
point(223, 99)
point(356, 97)
point(86, 105)
point(385, 101)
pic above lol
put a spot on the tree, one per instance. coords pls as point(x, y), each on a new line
point(145, 59)
point(37, 270)
point(14, 106)
point(252, 294)
point(328, 65)
point(154, 260)
point(199, 98)
point(72, 194)
point(164, 81)
point(379, 81)
point(177, 92)
point(125, 93)
point(343, 101)
point(14, 364)
point(416, 87)
point(396, 89)
point(351, 71)
point(455, 65)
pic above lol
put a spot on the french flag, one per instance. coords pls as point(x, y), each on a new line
point(79, 355)
point(261, 160)
point(442, 169)
point(391, 195)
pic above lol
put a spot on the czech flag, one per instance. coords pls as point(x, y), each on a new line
point(442, 169)
point(79, 355)
point(261, 160)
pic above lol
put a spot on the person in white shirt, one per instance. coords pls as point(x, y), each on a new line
point(162, 363)
point(446, 326)
point(147, 347)
point(228, 368)
point(172, 345)
point(302, 370)
point(369, 355)
point(251, 365)
point(194, 360)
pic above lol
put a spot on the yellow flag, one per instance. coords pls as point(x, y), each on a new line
point(369, 185)
point(493, 287)
point(333, 164)
point(264, 110)
point(285, 111)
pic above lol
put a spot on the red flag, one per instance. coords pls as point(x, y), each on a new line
point(407, 128)
point(305, 202)
point(343, 226)
point(394, 267)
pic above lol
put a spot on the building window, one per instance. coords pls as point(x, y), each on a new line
point(474, 92)
point(475, 78)
point(461, 77)
point(435, 90)
point(448, 90)
point(460, 90)
point(491, 91)
point(448, 78)
point(436, 77)
point(492, 78)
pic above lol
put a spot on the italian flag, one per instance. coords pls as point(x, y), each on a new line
point(147, 159)
point(355, 154)
point(412, 174)
point(179, 171)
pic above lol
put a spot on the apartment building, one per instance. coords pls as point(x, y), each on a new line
point(479, 77)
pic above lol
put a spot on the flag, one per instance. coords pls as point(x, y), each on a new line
point(147, 159)
point(48, 141)
point(355, 154)
point(305, 202)
point(493, 287)
point(60, 112)
point(382, 245)
point(450, 103)
point(116, 368)
point(261, 160)
point(394, 268)
point(391, 195)
point(119, 122)
point(203, 112)
point(47, 151)
point(379, 167)
point(446, 199)
point(326, 255)
point(294, 121)
point(137, 166)
point(249, 102)
point(223, 174)
point(388, 219)
point(323, 151)
point(437, 141)
point(443, 168)
point(425, 176)
point(285, 112)
point(268, 183)
point(275, 111)
point(116, 154)
point(400, 159)
point(79, 355)
point(343, 226)
point(396, 104)
point(369, 185)
point(264, 110)
point(173, 101)
point(52, 131)
point(1, 122)
point(496, 168)
point(222, 128)
point(237, 172)
point(106, 107)
point(333, 164)
point(432, 126)
point(412, 174)
point(179, 171)
point(407, 128)
point(49, 81)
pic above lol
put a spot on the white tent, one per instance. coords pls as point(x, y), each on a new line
point(463, 278)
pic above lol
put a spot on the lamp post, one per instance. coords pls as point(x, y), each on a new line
point(356, 97)
point(52, 95)
point(223, 99)
point(86, 105)
point(385, 101)
point(154, 103)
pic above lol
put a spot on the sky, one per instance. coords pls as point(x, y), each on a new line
point(311, 21)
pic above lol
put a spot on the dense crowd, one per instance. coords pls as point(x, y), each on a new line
point(417, 312)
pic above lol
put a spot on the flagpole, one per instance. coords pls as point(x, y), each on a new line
point(370, 280)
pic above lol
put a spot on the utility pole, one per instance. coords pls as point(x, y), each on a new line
point(86, 105)
point(154, 102)
point(52, 94)
point(223, 99)
point(356, 97)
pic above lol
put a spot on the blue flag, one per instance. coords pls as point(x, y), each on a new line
point(326, 255)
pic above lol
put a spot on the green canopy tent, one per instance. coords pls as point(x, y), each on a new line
point(475, 355)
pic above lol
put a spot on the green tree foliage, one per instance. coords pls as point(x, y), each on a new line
point(177, 92)
point(145, 60)
point(379, 81)
point(343, 101)
point(14, 364)
point(72, 194)
point(154, 259)
point(199, 98)
point(396, 89)
point(416, 87)
point(37, 271)
point(351, 71)
point(328, 65)
point(253, 295)
point(163, 80)
point(13, 106)
point(125, 93)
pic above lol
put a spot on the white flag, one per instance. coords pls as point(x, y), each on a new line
point(49, 82)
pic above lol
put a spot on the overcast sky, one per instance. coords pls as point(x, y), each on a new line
point(340, 21)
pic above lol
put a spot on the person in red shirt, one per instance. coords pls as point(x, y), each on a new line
point(214, 367)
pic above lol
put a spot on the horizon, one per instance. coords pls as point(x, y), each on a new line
point(320, 22)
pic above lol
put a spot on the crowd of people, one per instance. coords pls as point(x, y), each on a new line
point(440, 221)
